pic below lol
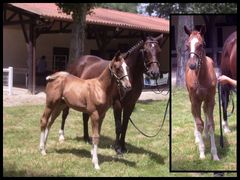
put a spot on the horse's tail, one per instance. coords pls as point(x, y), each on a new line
point(56, 75)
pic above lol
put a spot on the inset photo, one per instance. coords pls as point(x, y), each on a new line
point(203, 119)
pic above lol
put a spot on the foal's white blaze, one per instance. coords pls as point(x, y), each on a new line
point(153, 45)
point(193, 45)
point(124, 66)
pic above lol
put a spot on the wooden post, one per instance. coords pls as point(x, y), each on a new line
point(33, 39)
point(31, 61)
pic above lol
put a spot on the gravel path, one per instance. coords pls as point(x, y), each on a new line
point(21, 96)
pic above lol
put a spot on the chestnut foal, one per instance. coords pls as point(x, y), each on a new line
point(201, 84)
point(91, 96)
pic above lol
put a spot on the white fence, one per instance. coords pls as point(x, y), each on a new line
point(8, 79)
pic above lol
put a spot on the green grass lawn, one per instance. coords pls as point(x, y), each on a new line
point(145, 157)
point(185, 153)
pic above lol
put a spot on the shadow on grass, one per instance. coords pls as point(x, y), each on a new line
point(101, 158)
point(195, 165)
point(106, 142)
point(11, 170)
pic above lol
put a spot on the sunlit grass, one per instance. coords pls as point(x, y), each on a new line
point(146, 156)
point(185, 153)
point(21, 133)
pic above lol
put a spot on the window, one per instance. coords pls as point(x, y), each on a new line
point(60, 58)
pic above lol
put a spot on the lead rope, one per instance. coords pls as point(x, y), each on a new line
point(220, 114)
point(233, 106)
point(158, 91)
point(150, 136)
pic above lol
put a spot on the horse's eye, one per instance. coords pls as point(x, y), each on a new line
point(200, 46)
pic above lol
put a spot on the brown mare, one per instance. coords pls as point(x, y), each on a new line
point(91, 96)
point(142, 58)
point(228, 68)
point(201, 85)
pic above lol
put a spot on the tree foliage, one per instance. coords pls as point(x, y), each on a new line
point(165, 9)
point(76, 9)
point(126, 7)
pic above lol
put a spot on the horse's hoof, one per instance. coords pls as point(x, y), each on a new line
point(97, 167)
point(202, 156)
point(124, 149)
point(226, 130)
point(43, 152)
point(118, 151)
point(87, 140)
point(216, 158)
point(61, 139)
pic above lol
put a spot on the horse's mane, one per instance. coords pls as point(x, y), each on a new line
point(136, 46)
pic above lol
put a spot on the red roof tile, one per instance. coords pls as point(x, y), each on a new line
point(101, 16)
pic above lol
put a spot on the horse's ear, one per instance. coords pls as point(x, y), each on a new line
point(202, 30)
point(159, 37)
point(187, 31)
point(117, 54)
point(125, 55)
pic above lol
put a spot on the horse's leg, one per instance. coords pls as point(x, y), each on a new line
point(208, 108)
point(196, 111)
point(127, 111)
point(95, 138)
point(43, 124)
point(55, 113)
point(85, 128)
point(117, 110)
point(64, 117)
point(225, 98)
point(206, 119)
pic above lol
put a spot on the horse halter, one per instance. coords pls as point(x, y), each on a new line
point(147, 64)
point(199, 57)
point(118, 79)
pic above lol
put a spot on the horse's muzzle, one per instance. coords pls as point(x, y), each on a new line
point(153, 74)
point(127, 86)
point(193, 66)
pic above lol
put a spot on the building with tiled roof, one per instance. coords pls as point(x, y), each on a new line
point(107, 31)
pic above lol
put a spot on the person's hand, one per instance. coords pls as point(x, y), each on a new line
point(223, 79)
point(226, 80)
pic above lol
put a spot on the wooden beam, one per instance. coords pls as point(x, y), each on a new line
point(11, 17)
point(5, 23)
point(54, 31)
point(23, 29)
point(67, 25)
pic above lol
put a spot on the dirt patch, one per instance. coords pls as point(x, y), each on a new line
point(22, 96)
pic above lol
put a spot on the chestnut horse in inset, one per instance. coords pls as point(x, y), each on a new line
point(201, 85)
point(142, 58)
point(228, 68)
point(93, 96)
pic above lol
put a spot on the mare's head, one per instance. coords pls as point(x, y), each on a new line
point(195, 46)
point(120, 71)
point(151, 51)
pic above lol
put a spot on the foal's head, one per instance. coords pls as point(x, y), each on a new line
point(151, 51)
point(120, 71)
point(195, 46)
